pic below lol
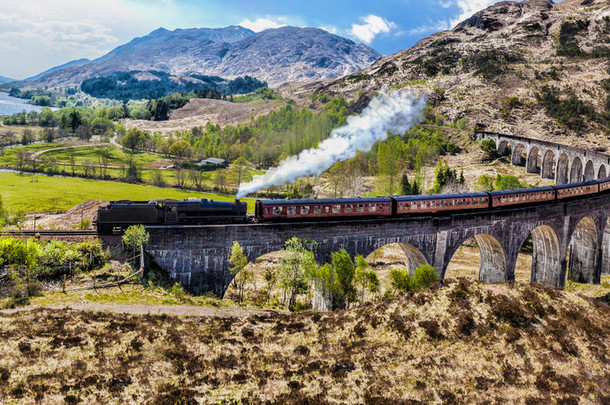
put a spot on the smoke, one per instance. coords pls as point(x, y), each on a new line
point(394, 112)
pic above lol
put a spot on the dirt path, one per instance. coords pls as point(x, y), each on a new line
point(141, 309)
point(40, 152)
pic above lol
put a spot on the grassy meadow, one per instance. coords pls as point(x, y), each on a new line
point(39, 193)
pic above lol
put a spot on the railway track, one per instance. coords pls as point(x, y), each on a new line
point(48, 233)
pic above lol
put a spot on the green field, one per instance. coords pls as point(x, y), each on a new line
point(38, 193)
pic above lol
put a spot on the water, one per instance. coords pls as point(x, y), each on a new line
point(11, 105)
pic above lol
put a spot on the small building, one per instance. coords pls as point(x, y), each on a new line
point(215, 162)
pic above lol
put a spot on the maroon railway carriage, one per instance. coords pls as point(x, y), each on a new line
point(604, 184)
point(324, 208)
point(430, 204)
point(504, 198)
point(577, 189)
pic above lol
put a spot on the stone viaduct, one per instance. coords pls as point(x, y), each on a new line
point(562, 163)
point(197, 256)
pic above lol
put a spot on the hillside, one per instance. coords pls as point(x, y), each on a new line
point(4, 79)
point(531, 68)
point(275, 55)
point(457, 342)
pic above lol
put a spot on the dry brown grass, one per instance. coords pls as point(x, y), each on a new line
point(458, 342)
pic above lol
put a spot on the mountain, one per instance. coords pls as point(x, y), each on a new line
point(276, 55)
point(532, 68)
point(74, 63)
point(4, 79)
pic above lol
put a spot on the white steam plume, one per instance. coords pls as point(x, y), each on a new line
point(394, 112)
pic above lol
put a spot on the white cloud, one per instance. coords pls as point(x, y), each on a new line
point(373, 26)
point(261, 24)
point(331, 29)
point(467, 8)
point(39, 34)
point(430, 28)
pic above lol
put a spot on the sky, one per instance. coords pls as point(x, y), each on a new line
point(36, 35)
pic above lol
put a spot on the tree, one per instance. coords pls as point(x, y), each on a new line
point(180, 176)
point(220, 180)
point(400, 280)
point(239, 171)
point(134, 139)
point(295, 267)
point(424, 276)
point(405, 186)
point(3, 214)
point(104, 156)
point(361, 277)
point(181, 149)
point(134, 238)
point(344, 268)
point(326, 287)
point(197, 177)
point(484, 183)
point(239, 261)
point(388, 165)
point(72, 155)
point(74, 119)
point(508, 182)
point(488, 146)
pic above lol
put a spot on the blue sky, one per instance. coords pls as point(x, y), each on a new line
point(38, 34)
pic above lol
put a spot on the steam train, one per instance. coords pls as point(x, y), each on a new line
point(122, 214)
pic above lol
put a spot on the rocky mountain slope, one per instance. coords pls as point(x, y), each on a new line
point(74, 63)
point(531, 68)
point(4, 79)
point(280, 55)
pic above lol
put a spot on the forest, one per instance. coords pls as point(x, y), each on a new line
point(137, 85)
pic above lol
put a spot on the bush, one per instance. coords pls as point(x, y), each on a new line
point(400, 280)
point(424, 276)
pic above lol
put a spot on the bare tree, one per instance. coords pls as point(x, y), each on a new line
point(89, 169)
point(180, 176)
point(22, 156)
point(197, 178)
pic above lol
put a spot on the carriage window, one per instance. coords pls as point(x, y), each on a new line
point(277, 210)
point(360, 207)
point(372, 208)
point(414, 205)
point(305, 210)
point(266, 210)
point(349, 208)
point(432, 204)
point(481, 201)
point(292, 210)
point(317, 209)
point(381, 207)
point(443, 203)
point(423, 204)
point(336, 209)
point(327, 209)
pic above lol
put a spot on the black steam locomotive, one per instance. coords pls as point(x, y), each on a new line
point(124, 213)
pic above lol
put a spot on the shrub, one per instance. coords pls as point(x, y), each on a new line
point(424, 276)
point(400, 280)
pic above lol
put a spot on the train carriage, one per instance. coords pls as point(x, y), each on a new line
point(430, 204)
point(316, 209)
point(604, 184)
point(576, 189)
point(504, 198)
